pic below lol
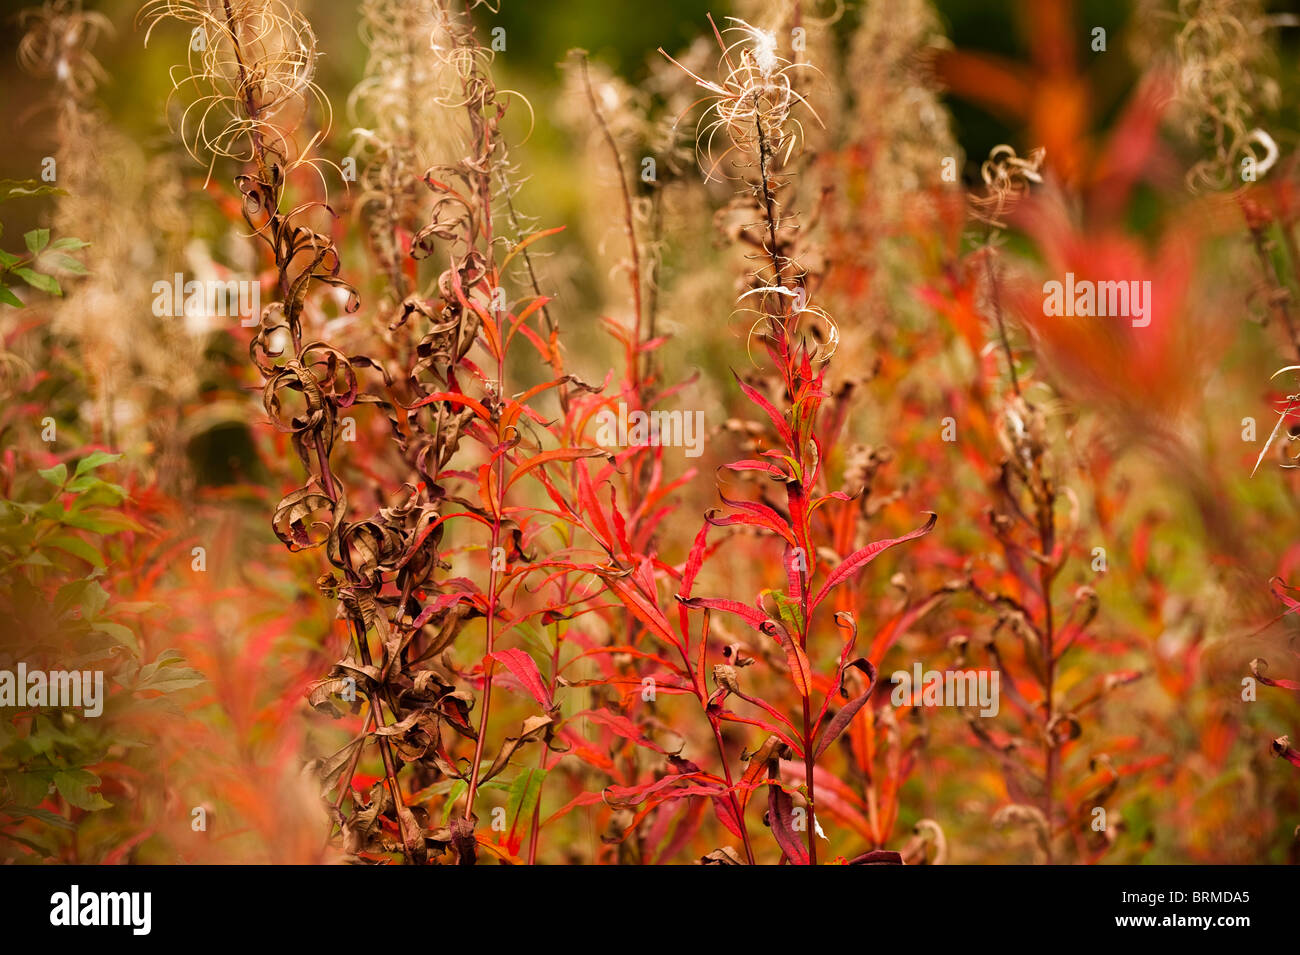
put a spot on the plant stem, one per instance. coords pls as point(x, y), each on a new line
point(491, 610)
point(731, 793)
point(541, 757)
point(1049, 664)
point(1279, 294)
point(996, 301)
point(769, 200)
point(808, 764)
point(390, 766)
point(634, 269)
point(698, 680)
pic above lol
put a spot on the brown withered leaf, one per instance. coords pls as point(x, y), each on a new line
point(1020, 816)
point(532, 728)
point(323, 692)
point(772, 749)
point(329, 770)
point(925, 834)
point(361, 831)
point(724, 677)
point(293, 520)
point(412, 834)
point(463, 841)
point(369, 546)
point(722, 856)
point(414, 735)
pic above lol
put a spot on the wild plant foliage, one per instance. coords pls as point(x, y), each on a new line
point(824, 441)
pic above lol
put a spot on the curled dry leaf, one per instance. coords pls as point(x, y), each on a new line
point(723, 856)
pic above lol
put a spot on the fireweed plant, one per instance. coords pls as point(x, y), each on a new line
point(543, 639)
point(751, 131)
point(248, 91)
point(254, 83)
point(1036, 740)
point(1227, 79)
point(132, 358)
point(654, 817)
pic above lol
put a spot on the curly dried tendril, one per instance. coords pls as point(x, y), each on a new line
point(1225, 77)
point(750, 121)
point(57, 40)
point(1006, 178)
point(248, 80)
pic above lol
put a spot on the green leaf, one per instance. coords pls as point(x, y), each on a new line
point(74, 786)
point(523, 795)
point(99, 492)
point(138, 606)
point(67, 244)
point(120, 632)
point(36, 280)
point(8, 258)
point(789, 610)
point(163, 659)
point(9, 298)
point(36, 240)
point(165, 674)
point(84, 595)
point(76, 547)
point(27, 789)
point(183, 679)
point(44, 815)
point(457, 790)
point(82, 484)
point(69, 264)
point(27, 188)
point(94, 460)
point(56, 475)
point(101, 521)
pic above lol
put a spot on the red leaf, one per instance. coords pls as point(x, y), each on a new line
point(878, 857)
point(800, 669)
point(622, 726)
point(556, 454)
point(780, 816)
point(751, 615)
point(1258, 666)
point(628, 796)
point(526, 242)
point(859, 559)
point(695, 560)
point(454, 398)
point(778, 419)
point(726, 814)
point(645, 611)
point(525, 671)
point(840, 721)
